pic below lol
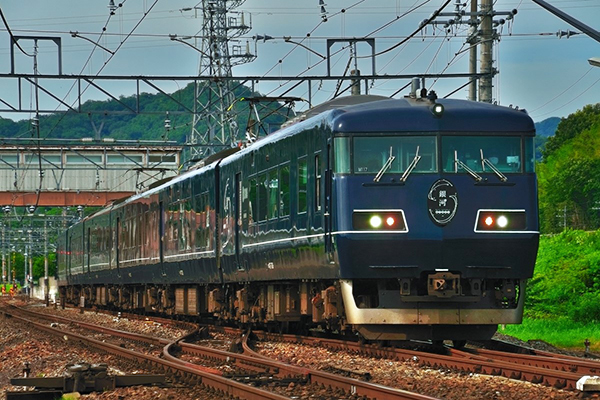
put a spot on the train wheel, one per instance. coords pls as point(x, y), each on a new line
point(459, 344)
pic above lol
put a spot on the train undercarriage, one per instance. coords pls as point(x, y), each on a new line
point(371, 310)
point(284, 306)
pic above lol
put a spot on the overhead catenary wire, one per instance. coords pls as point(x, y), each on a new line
point(431, 18)
point(12, 37)
point(563, 92)
point(89, 84)
point(572, 100)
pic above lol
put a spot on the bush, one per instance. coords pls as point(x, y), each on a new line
point(586, 309)
point(566, 280)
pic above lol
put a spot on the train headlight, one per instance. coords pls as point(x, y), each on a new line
point(375, 221)
point(437, 110)
point(500, 220)
point(379, 220)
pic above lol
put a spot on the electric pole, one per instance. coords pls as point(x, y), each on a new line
point(472, 40)
point(487, 61)
point(214, 127)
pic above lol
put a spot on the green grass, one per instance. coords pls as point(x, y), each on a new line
point(561, 332)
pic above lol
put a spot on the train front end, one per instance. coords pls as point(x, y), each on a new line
point(435, 219)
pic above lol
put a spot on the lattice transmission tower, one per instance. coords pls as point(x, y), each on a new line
point(214, 126)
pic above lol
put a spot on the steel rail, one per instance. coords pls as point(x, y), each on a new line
point(251, 361)
point(349, 385)
point(542, 360)
point(533, 374)
point(219, 383)
point(102, 329)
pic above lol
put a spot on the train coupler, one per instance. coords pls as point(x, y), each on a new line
point(443, 284)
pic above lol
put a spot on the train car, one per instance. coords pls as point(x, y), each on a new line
point(391, 219)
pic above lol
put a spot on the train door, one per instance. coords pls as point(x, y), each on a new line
point(237, 219)
point(161, 237)
point(327, 211)
point(118, 246)
point(88, 248)
point(69, 257)
point(317, 209)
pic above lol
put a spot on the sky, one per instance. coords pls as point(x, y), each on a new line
point(538, 71)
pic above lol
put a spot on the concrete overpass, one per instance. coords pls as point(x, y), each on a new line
point(83, 174)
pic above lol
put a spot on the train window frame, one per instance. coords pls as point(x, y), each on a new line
point(202, 232)
point(252, 201)
point(272, 185)
point(468, 150)
point(529, 151)
point(263, 193)
point(318, 180)
point(302, 193)
point(342, 147)
point(284, 190)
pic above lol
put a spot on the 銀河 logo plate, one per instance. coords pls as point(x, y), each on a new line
point(442, 202)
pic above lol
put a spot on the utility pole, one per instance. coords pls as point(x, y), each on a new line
point(214, 127)
point(472, 40)
point(486, 48)
point(46, 280)
point(30, 283)
point(8, 262)
point(3, 253)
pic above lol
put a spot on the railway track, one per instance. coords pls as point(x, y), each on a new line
point(539, 359)
point(547, 369)
point(201, 364)
point(246, 380)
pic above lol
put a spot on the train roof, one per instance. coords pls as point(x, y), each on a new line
point(381, 115)
point(415, 115)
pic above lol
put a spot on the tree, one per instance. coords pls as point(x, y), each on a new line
point(573, 125)
point(38, 266)
point(577, 189)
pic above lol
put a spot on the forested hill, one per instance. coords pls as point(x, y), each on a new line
point(543, 130)
point(127, 125)
point(547, 127)
point(568, 176)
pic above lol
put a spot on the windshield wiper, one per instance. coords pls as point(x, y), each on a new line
point(385, 167)
point(485, 161)
point(411, 166)
point(458, 163)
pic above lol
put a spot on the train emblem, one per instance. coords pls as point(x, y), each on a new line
point(442, 202)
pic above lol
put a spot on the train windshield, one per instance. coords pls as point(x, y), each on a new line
point(481, 154)
point(458, 154)
point(372, 153)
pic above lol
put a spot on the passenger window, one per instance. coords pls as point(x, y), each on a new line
point(262, 197)
point(317, 182)
point(284, 182)
point(253, 200)
point(302, 185)
point(273, 189)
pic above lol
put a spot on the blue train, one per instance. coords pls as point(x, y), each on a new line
point(391, 219)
